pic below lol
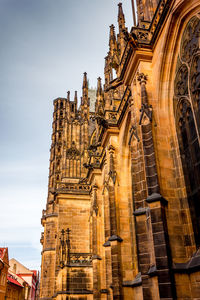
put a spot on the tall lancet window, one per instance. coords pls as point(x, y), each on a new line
point(187, 111)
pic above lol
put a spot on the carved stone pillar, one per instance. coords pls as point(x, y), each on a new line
point(147, 138)
point(151, 226)
point(95, 258)
point(113, 242)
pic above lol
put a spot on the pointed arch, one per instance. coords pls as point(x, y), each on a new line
point(179, 96)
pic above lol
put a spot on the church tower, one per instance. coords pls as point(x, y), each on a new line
point(122, 219)
point(66, 255)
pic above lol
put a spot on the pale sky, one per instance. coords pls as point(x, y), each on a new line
point(46, 45)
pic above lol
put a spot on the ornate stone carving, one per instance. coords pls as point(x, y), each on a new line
point(142, 35)
point(112, 173)
point(187, 107)
point(72, 152)
point(142, 78)
point(190, 40)
point(83, 181)
point(133, 132)
point(181, 81)
point(106, 183)
point(195, 80)
point(80, 259)
point(146, 109)
point(188, 65)
point(80, 187)
point(95, 204)
point(68, 258)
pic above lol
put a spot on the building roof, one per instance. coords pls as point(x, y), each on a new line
point(19, 278)
point(13, 280)
point(21, 269)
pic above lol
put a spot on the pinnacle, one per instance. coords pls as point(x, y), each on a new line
point(121, 18)
point(85, 83)
point(75, 96)
point(112, 33)
point(68, 96)
point(99, 88)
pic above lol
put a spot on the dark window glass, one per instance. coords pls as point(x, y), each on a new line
point(187, 102)
point(190, 155)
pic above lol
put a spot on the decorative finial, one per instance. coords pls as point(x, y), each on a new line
point(68, 96)
point(85, 83)
point(142, 78)
point(99, 87)
point(121, 18)
point(75, 97)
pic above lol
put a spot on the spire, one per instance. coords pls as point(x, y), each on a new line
point(99, 106)
point(75, 97)
point(112, 38)
point(68, 96)
point(121, 18)
point(84, 99)
point(99, 87)
point(75, 100)
point(85, 88)
point(85, 83)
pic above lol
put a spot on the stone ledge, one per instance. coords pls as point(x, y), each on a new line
point(96, 257)
point(115, 238)
point(107, 244)
point(140, 211)
point(156, 197)
point(152, 271)
point(48, 249)
point(49, 216)
point(191, 266)
point(133, 283)
point(74, 292)
point(66, 191)
point(104, 291)
point(78, 265)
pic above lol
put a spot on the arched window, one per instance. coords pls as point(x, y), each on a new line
point(187, 108)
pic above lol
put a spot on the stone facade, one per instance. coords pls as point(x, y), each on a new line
point(122, 219)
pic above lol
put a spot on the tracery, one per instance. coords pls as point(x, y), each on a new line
point(187, 109)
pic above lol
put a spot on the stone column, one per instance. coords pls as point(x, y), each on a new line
point(95, 258)
point(114, 239)
point(157, 234)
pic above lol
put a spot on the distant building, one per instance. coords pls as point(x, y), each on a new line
point(29, 276)
point(92, 98)
point(17, 288)
point(4, 265)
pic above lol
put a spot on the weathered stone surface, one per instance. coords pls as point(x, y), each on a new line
point(121, 178)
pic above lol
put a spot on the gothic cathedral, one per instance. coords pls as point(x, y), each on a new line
point(122, 219)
